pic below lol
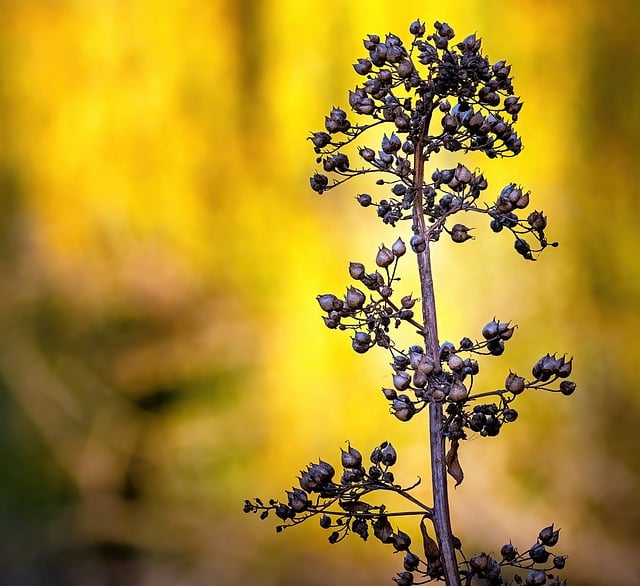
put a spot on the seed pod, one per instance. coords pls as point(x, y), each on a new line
point(389, 455)
point(510, 415)
point(356, 270)
point(490, 330)
point(407, 302)
point(514, 384)
point(354, 298)
point(325, 521)
point(401, 380)
point(367, 154)
point(351, 458)
point(567, 387)
point(537, 220)
point(361, 342)
point(363, 66)
point(390, 394)
point(411, 562)
point(495, 347)
point(508, 552)
point(536, 578)
point(564, 369)
point(297, 500)
point(329, 302)
point(559, 561)
point(458, 392)
point(479, 562)
point(401, 541)
point(460, 233)
point(420, 379)
point(399, 247)
point(391, 144)
point(538, 553)
point(418, 243)
point(455, 362)
point(549, 536)
point(417, 28)
point(403, 408)
point(364, 199)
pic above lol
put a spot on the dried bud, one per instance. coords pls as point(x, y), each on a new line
point(510, 415)
point(522, 247)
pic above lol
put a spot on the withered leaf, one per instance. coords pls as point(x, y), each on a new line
point(355, 506)
point(453, 463)
point(382, 529)
point(431, 549)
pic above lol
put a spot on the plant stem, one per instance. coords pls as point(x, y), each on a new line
point(441, 515)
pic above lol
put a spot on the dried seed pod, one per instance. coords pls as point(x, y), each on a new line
point(354, 298)
point(514, 384)
point(356, 270)
point(418, 243)
point(458, 392)
point(401, 380)
point(329, 302)
point(351, 458)
point(399, 247)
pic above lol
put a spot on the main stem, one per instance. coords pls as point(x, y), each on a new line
point(441, 514)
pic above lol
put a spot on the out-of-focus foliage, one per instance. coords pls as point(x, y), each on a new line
point(161, 352)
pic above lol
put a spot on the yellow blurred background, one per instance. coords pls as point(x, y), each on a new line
point(162, 356)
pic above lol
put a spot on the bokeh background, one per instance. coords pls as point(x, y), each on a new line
point(161, 352)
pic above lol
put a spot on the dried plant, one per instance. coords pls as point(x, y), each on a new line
point(470, 103)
